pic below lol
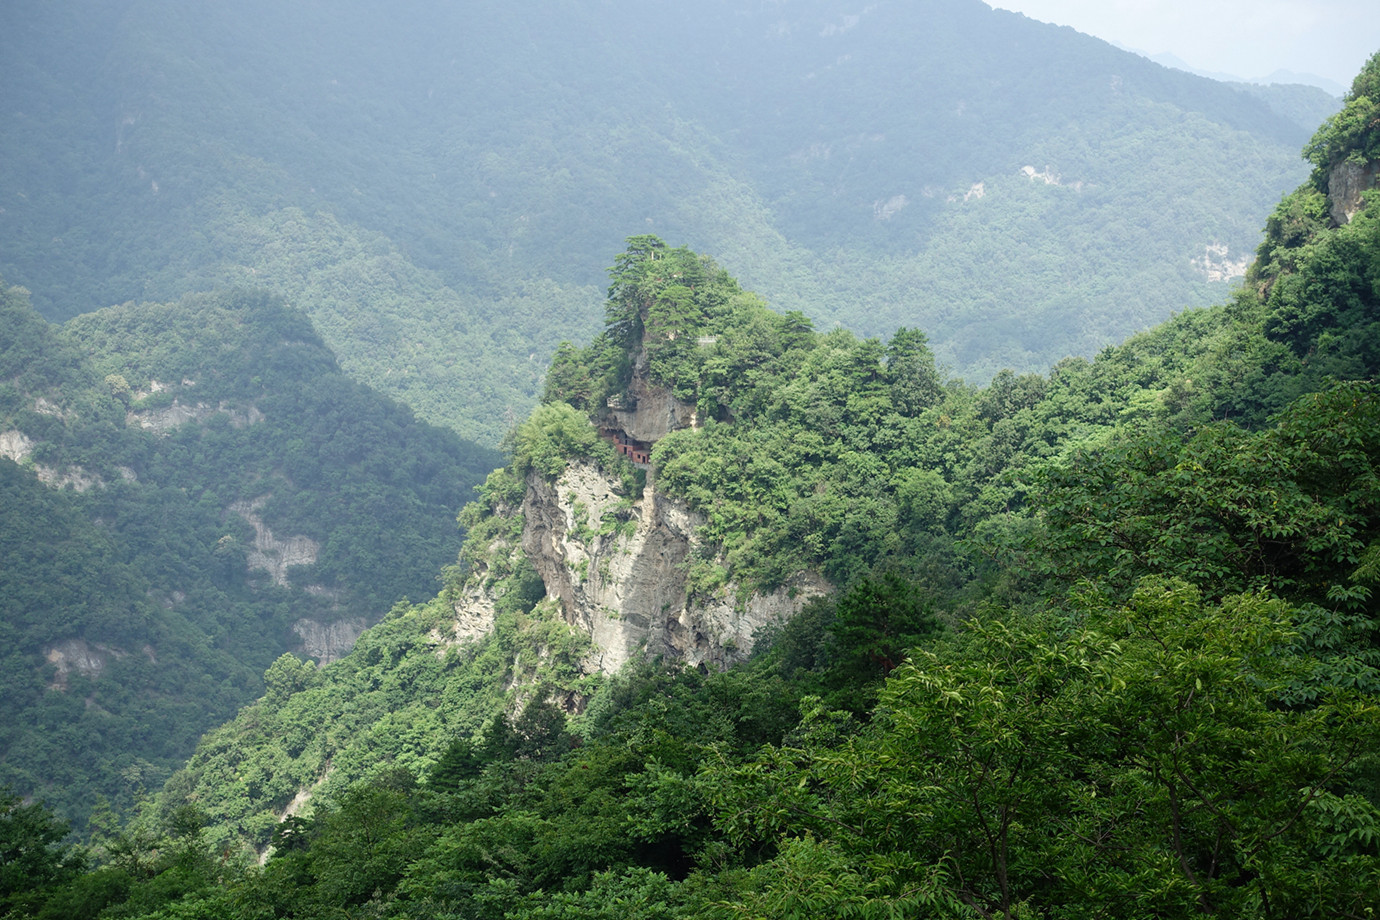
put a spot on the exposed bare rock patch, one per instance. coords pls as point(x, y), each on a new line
point(16, 446)
point(44, 407)
point(888, 208)
point(1346, 184)
point(976, 190)
point(474, 618)
point(1050, 177)
point(78, 656)
point(1217, 264)
point(649, 412)
point(270, 553)
point(618, 570)
point(75, 477)
point(299, 802)
point(165, 419)
point(327, 642)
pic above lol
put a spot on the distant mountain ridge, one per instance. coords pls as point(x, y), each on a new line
point(1279, 76)
point(437, 185)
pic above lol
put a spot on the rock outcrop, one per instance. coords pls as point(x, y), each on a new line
point(1345, 184)
point(165, 419)
point(327, 642)
point(474, 615)
point(16, 446)
point(619, 567)
point(1217, 263)
point(648, 412)
point(271, 553)
point(77, 656)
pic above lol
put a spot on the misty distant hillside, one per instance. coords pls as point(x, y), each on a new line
point(438, 184)
point(187, 492)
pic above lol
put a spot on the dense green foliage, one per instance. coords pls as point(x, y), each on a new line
point(353, 471)
point(388, 707)
point(437, 185)
point(33, 856)
point(1127, 761)
point(134, 617)
point(1354, 132)
point(1289, 507)
point(1105, 645)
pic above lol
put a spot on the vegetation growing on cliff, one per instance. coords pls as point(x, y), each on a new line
point(1353, 133)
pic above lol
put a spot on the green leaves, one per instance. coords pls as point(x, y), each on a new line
point(1115, 762)
point(1354, 132)
point(1291, 507)
point(34, 859)
point(145, 571)
point(553, 436)
point(632, 288)
point(876, 624)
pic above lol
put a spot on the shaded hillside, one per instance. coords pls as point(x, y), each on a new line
point(190, 491)
point(437, 186)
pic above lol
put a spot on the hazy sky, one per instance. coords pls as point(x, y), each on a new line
point(1246, 38)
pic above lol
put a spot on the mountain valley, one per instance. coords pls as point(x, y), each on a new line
point(989, 527)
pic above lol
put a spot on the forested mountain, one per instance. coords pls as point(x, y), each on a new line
point(439, 185)
point(189, 491)
point(1101, 642)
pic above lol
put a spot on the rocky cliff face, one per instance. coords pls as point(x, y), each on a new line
point(163, 420)
point(617, 567)
point(327, 642)
point(271, 553)
point(1345, 184)
point(648, 412)
point(16, 446)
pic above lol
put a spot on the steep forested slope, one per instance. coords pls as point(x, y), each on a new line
point(190, 490)
point(438, 186)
